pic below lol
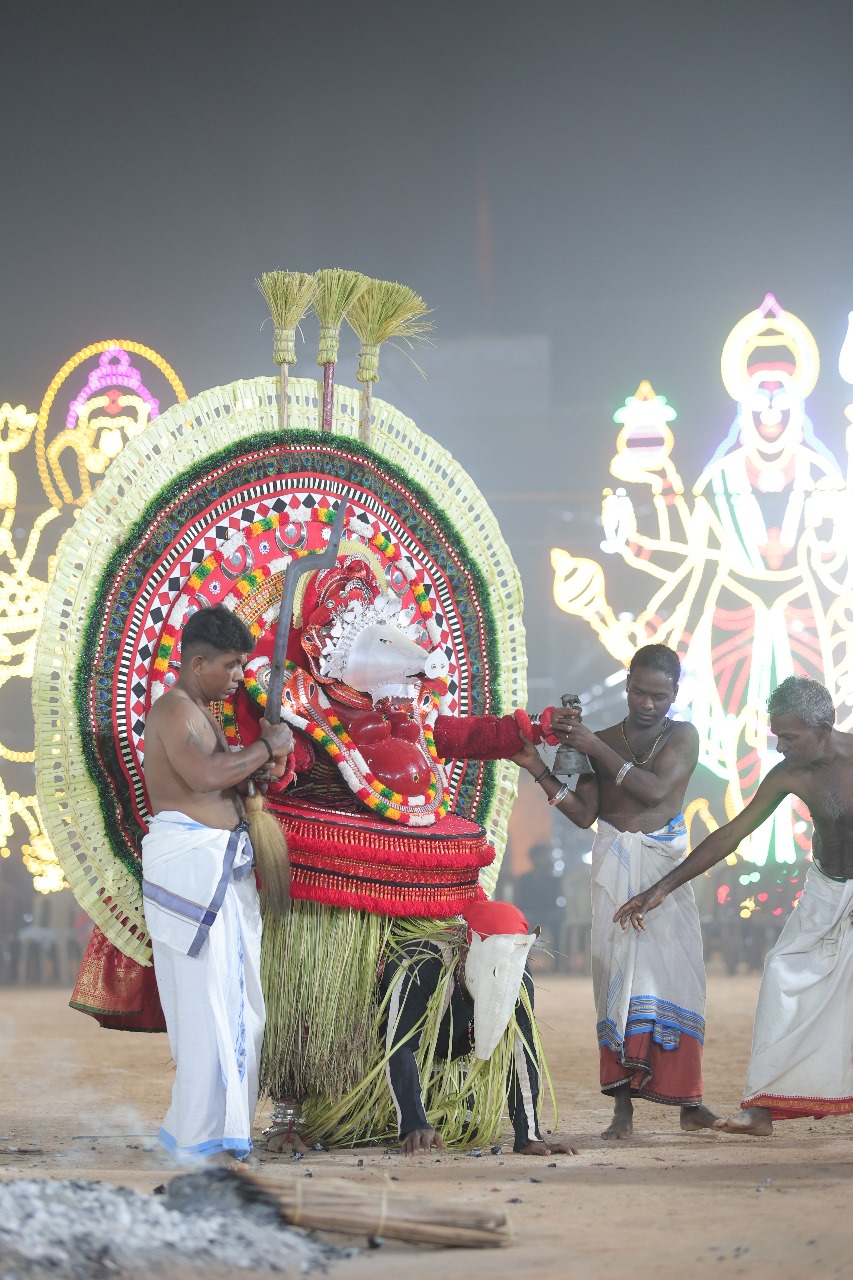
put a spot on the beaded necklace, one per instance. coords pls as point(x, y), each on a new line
point(644, 759)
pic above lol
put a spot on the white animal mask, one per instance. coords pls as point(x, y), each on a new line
point(494, 969)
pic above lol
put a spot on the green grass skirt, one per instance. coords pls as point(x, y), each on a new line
point(325, 1043)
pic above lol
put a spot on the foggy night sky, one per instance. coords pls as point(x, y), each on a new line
point(623, 181)
point(681, 158)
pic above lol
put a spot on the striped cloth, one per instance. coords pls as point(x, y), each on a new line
point(649, 987)
point(202, 911)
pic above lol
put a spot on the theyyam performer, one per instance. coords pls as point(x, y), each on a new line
point(385, 616)
point(803, 1036)
point(649, 990)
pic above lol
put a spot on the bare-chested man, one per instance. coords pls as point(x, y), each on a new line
point(650, 999)
point(199, 893)
point(803, 1035)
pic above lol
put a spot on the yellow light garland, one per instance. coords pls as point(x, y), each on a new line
point(22, 596)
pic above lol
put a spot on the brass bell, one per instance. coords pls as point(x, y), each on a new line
point(568, 760)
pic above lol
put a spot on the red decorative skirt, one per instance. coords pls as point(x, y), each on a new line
point(673, 1076)
point(118, 992)
point(354, 860)
point(800, 1108)
point(340, 860)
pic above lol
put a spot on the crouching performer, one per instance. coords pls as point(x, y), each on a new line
point(199, 893)
point(462, 1002)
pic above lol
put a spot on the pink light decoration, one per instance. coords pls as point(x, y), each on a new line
point(114, 370)
point(770, 307)
point(723, 893)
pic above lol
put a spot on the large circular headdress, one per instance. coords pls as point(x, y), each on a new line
point(210, 503)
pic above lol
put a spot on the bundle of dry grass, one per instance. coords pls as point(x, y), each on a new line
point(272, 859)
point(334, 1205)
point(289, 294)
point(337, 290)
point(385, 309)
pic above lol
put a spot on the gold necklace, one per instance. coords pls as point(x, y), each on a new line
point(644, 759)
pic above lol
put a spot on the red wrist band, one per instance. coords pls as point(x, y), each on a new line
point(547, 732)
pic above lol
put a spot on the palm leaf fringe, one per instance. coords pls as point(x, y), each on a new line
point(318, 971)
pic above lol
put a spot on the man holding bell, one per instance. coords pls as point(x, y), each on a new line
point(649, 998)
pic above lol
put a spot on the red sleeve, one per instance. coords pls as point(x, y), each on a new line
point(490, 737)
point(477, 737)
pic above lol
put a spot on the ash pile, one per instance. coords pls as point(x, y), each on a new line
point(205, 1222)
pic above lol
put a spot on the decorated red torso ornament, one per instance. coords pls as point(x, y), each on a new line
point(390, 739)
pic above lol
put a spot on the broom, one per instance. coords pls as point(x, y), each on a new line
point(289, 295)
point(337, 290)
point(334, 1205)
point(271, 856)
point(384, 310)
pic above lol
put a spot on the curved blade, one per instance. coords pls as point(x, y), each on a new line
point(305, 564)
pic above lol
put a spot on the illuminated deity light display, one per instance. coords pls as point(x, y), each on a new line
point(751, 579)
point(111, 406)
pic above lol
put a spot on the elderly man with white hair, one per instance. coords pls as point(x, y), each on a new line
point(803, 1036)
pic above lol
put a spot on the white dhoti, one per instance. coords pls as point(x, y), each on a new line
point(203, 914)
point(802, 1043)
point(649, 987)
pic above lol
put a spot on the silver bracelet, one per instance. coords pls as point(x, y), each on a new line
point(560, 795)
point(621, 774)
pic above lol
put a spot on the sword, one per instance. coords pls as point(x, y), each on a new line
point(295, 570)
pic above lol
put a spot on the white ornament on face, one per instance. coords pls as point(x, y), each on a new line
point(373, 648)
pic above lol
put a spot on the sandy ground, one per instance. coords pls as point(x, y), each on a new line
point(81, 1102)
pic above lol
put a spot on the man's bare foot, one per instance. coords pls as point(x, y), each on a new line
point(752, 1120)
point(220, 1160)
point(549, 1148)
point(622, 1124)
point(695, 1118)
point(619, 1127)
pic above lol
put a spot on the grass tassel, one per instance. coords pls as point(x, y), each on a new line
point(384, 310)
point(289, 294)
point(337, 290)
point(271, 856)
